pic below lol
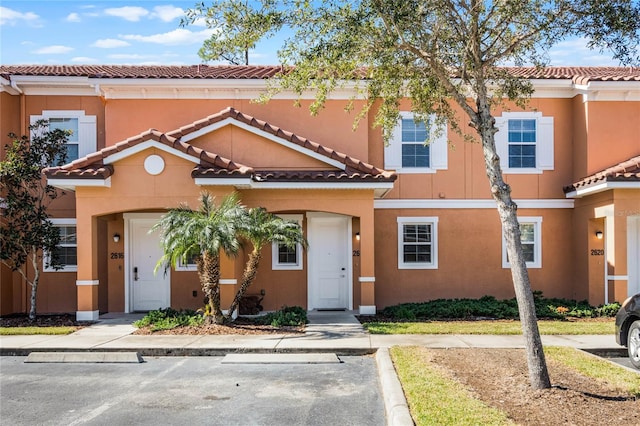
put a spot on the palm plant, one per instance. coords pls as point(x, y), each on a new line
point(202, 234)
point(260, 228)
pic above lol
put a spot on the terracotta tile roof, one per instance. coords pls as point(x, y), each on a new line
point(212, 165)
point(352, 164)
point(627, 171)
point(579, 75)
point(145, 71)
point(81, 166)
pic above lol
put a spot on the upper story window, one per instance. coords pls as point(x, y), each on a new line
point(83, 139)
point(189, 265)
point(417, 243)
point(67, 250)
point(525, 142)
point(410, 149)
point(531, 239)
point(287, 257)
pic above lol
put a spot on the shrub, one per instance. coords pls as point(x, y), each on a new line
point(490, 307)
point(168, 318)
point(287, 316)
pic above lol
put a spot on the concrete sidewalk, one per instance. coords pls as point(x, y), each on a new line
point(336, 332)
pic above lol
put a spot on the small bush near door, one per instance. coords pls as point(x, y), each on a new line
point(287, 316)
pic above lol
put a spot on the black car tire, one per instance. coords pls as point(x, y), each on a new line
point(633, 344)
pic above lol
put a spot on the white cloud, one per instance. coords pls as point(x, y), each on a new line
point(168, 13)
point(128, 56)
point(576, 52)
point(53, 50)
point(73, 17)
point(176, 37)
point(13, 17)
point(84, 60)
point(110, 43)
point(129, 13)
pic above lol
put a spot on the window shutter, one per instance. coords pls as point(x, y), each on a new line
point(545, 143)
point(393, 151)
point(87, 135)
point(439, 151)
point(502, 141)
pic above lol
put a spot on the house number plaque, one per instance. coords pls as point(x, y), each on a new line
point(597, 252)
point(117, 255)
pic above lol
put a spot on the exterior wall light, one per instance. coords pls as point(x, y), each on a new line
point(357, 236)
point(599, 235)
point(116, 237)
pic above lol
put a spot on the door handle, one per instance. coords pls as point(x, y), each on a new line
point(135, 273)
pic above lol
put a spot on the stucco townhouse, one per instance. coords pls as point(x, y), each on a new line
point(385, 224)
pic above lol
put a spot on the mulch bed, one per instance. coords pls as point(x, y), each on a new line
point(45, 320)
point(499, 377)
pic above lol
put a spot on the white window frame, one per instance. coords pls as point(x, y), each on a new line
point(536, 221)
point(185, 267)
point(47, 256)
point(422, 220)
point(275, 261)
point(87, 129)
point(438, 149)
point(544, 142)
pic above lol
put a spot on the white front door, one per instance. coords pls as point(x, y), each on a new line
point(329, 257)
point(149, 291)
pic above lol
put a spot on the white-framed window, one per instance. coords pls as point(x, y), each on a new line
point(531, 238)
point(408, 150)
point(83, 140)
point(524, 142)
point(283, 257)
point(67, 250)
point(417, 242)
point(189, 265)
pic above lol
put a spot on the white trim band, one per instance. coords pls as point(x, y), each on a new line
point(367, 279)
point(228, 281)
point(617, 278)
point(87, 315)
point(367, 310)
point(470, 204)
point(87, 282)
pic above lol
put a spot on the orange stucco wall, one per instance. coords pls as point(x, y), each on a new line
point(470, 257)
point(589, 136)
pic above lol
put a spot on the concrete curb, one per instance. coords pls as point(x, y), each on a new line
point(193, 351)
point(395, 404)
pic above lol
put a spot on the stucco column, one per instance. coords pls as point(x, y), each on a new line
point(87, 276)
point(367, 277)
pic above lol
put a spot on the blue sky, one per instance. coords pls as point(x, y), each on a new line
point(144, 32)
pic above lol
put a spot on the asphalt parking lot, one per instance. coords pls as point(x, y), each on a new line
point(191, 390)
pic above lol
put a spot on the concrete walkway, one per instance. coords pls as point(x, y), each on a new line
point(336, 332)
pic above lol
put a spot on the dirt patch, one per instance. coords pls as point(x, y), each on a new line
point(499, 378)
point(58, 320)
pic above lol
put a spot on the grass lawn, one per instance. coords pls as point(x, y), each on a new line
point(489, 327)
point(435, 399)
point(12, 331)
point(594, 367)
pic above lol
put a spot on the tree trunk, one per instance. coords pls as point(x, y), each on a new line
point(507, 209)
point(209, 273)
point(34, 283)
point(248, 276)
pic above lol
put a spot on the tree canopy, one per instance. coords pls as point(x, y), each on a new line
point(27, 235)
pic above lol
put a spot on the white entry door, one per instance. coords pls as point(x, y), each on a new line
point(149, 291)
point(329, 262)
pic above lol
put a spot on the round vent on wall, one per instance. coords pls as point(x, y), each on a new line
point(154, 164)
